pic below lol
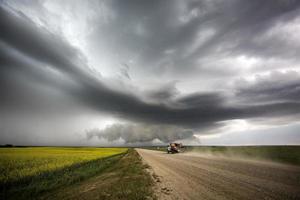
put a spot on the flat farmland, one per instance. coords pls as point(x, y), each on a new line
point(18, 163)
point(34, 170)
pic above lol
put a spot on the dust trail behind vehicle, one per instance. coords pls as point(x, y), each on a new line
point(188, 176)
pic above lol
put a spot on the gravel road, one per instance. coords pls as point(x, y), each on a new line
point(196, 176)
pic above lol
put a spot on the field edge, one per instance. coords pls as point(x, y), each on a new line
point(128, 178)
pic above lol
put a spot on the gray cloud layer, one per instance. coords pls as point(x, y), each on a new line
point(175, 39)
point(42, 72)
point(141, 133)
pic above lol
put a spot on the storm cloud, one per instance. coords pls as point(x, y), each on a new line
point(142, 133)
point(175, 70)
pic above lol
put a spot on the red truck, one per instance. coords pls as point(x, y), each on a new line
point(174, 148)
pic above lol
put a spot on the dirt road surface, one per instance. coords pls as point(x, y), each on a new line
point(196, 176)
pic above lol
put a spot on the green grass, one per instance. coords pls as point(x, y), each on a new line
point(126, 179)
point(28, 172)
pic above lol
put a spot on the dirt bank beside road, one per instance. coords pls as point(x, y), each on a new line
point(193, 176)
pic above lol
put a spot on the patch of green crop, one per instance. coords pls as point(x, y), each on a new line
point(18, 163)
point(126, 179)
point(28, 172)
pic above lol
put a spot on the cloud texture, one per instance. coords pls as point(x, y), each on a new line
point(169, 69)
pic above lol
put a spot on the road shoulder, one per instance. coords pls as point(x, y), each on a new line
point(127, 179)
point(161, 188)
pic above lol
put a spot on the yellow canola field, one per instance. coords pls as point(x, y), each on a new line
point(17, 163)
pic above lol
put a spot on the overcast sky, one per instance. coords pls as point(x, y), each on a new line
point(134, 72)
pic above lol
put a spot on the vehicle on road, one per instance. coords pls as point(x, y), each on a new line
point(174, 148)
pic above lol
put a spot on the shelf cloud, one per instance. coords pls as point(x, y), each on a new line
point(166, 70)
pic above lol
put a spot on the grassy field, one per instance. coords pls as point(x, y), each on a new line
point(126, 179)
point(283, 154)
point(28, 172)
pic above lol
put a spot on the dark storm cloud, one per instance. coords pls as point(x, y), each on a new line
point(275, 87)
point(241, 24)
point(163, 93)
point(240, 29)
point(41, 45)
point(170, 38)
point(201, 99)
point(40, 70)
point(193, 110)
point(141, 133)
point(27, 86)
point(21, 33)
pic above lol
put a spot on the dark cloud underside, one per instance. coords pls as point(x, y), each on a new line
point(41, 72)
